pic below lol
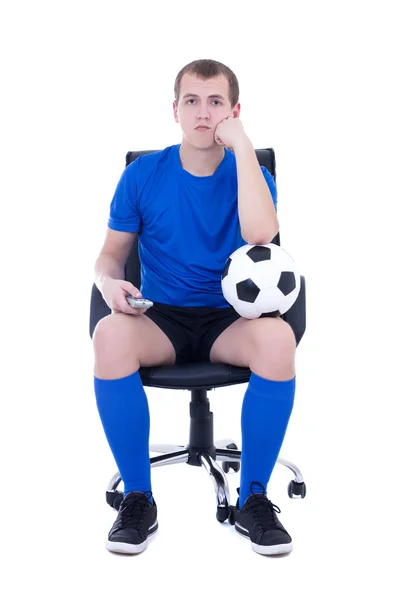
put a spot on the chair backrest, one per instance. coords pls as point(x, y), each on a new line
point(98, 308)
point(266, 158)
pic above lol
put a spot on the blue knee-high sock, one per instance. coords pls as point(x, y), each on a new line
point(266, 410)
point(124, 413)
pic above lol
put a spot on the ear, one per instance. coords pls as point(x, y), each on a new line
point(175, 109)
point(236, 111)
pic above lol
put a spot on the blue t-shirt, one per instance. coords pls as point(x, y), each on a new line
point(187, 225)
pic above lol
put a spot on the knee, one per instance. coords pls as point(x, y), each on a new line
point(110, 333)
point(275, 338)
point(115, 343)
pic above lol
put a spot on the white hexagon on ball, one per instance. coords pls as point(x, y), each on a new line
point(260, 280)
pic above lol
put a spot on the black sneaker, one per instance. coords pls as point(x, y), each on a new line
point(257, 520)
point(137, 519)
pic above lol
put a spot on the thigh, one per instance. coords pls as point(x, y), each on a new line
point(124, 343)
point(176, 324)
point(213, 325)
point(231, 345)
point(248, 340)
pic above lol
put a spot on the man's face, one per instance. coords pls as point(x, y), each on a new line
point(201, 106)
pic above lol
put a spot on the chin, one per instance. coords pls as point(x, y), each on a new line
point(205, 145)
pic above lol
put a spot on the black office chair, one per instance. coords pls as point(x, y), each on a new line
point(199, 378)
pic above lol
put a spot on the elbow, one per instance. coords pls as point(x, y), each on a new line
point(260, 238)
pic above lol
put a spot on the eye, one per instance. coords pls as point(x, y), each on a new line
point(190, 100)
point(217, 101)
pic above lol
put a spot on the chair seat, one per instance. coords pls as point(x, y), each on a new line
point(194, 375)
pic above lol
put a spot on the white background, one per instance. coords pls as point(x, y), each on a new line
point(83, 83)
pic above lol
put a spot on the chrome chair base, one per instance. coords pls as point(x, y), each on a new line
point(171, 454)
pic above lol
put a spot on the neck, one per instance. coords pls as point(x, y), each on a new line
point(200, 162)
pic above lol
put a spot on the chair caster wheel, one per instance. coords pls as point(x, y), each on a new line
point(232, 515)
point(296, 489)
point(223, 513)
point(227, 465)
point(114, 499)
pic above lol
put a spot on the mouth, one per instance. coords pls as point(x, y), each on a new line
point(202, 128)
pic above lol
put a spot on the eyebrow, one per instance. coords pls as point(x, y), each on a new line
point(211, 96)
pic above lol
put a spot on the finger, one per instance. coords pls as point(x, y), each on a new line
point(135, 293)
point(128, 310)
point(124, 306)
point(138, 311)
point(131, 289)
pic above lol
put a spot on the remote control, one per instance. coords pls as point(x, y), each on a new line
point(138, 302)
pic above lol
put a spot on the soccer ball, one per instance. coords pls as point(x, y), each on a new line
point(260, 281)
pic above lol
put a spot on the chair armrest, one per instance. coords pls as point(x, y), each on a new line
point(296, 315)
point(98, 309)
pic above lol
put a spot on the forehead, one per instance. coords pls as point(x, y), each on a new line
point(191, 84)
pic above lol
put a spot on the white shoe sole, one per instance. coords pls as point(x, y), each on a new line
point(272, 550)
point(124, 548)
point(266, 550)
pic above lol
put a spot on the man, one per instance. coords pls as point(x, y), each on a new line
point(192, 204)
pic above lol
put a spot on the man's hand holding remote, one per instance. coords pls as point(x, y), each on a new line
point(115, 292)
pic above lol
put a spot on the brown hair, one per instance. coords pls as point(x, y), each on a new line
point(206, 69)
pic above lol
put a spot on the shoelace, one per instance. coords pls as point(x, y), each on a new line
point(132, 509)
point(258, 503)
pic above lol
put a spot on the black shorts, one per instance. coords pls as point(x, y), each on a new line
point(192, 330)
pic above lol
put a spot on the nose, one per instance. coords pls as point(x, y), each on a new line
point(203, 111)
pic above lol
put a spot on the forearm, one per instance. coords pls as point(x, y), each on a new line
point(257, 215)
point(106, 267)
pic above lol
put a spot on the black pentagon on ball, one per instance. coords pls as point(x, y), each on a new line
point(287, 282)
point(259, 253)
point(226, 269)
point(274, 313)
point(247, 290)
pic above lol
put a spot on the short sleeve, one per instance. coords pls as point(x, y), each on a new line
point(124, 210)
point(271, 184)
